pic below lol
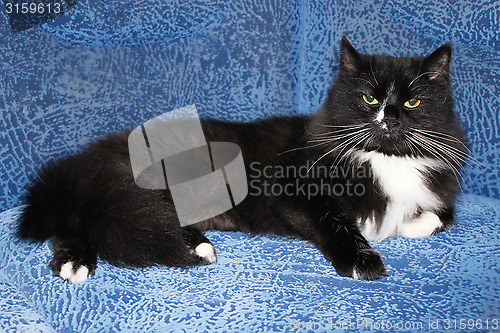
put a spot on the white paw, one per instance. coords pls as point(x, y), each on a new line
point(422, 226)
point(68, 273)
point(355, 275)
point(207, 252)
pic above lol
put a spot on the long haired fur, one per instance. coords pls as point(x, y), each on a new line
point(89, 205)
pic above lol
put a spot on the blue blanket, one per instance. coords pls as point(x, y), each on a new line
point(107, 66)
point(266, 284)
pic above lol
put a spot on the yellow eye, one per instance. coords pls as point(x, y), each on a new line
point(369, 99)
point(412, 103)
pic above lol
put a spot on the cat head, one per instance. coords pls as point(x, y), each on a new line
point(393, 105)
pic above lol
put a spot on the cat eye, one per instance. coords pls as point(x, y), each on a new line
point(369, 99)
point(412, 103)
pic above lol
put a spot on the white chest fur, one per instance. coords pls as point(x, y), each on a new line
point(402, 180)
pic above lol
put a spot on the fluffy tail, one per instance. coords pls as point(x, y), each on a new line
point(76, 194)
point(60, 198)
point(90, 205)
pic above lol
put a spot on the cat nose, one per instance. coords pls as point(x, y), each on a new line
point(391, 118)
point(391, 112)
point(392, 124)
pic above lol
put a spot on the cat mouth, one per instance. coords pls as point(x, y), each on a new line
point(387, 142)
point(384, 133)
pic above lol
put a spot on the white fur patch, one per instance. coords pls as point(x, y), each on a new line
point(421, 226)
point(67, 273)
point(380, 115)
point(403, 182)
point(66, 270)
point(355, 275)
point(207, 252)
point(369, 229)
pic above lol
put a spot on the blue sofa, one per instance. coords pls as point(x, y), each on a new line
point(109, 66)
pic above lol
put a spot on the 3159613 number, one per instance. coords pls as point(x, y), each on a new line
point(32, 8)
point(471, 324)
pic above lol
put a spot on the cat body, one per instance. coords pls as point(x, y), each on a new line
point(381, 158)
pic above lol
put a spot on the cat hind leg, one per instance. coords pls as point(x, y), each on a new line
point(72, 261)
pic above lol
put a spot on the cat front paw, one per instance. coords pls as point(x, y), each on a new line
point(368, 266)
point(206, 251)
point(424, 225)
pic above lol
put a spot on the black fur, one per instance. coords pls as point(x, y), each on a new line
point(89, 205)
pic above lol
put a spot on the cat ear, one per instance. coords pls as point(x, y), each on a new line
point(349, 57)
point(438, 63)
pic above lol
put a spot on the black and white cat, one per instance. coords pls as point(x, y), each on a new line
point(387, 129)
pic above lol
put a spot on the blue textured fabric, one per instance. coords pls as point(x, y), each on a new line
point(16, 312)
point(108, 66)
point(105, 67)
point(266, 284)
point(461, 21)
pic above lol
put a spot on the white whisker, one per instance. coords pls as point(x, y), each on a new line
point(340, 154)
point(340, 136)
point(342, 145)
point(344, 126)
point(447, 137)
point(300, 148)
point(438, 155)
point(450, 150)
point(335, 131)
point(418, 77)
point(459, 160)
